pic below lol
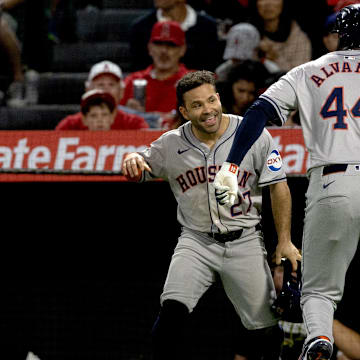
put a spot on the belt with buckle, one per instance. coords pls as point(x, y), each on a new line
point(230, 236)
point(329, 169)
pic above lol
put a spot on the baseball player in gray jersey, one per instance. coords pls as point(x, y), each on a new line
point(326, 93)
point(215, 239)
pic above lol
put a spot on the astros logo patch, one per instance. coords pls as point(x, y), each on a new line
point(274, 161)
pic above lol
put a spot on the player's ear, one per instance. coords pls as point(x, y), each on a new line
point(183, 112)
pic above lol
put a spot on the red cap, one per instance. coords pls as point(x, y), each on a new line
point(168, 31)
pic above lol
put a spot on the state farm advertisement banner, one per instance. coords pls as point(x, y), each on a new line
point(97, 156)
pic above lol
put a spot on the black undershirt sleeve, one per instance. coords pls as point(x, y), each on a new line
point(251, 127)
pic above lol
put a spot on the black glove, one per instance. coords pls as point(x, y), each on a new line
point(287, 303)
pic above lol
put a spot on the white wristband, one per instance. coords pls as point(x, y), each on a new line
point(233, 168)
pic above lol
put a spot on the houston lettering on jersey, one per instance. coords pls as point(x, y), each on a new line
point(193, 177)
point(334, 68)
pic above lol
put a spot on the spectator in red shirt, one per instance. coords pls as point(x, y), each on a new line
point(201, 33)
point(166, 47)
point(106, 76)
point(98, 112)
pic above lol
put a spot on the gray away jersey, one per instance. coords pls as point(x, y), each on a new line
point(190, 168)
point(327, 93)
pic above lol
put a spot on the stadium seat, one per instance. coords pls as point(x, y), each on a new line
point(79, 57)
point(36, 117)
point(61, 88)
point(106, 24)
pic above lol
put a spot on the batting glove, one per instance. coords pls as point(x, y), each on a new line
point(226, 184)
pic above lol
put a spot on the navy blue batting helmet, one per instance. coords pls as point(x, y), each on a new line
point(287, 303)
point(347, 25)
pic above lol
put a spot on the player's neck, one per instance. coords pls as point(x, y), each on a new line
point(211, 139)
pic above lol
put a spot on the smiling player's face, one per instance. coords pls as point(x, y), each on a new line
point(202, 107)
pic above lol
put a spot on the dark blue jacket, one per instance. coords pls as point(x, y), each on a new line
point(204, 50)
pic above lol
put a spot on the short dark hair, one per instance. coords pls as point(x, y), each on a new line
point(249, 70)
point(97, 102)
point(193, 80)
point(96, 97)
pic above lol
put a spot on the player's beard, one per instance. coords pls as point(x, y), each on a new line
point(209, 124)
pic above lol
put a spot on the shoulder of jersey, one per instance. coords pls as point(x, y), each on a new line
point(233, 117)
point(313, 63)
point(171, 134)
point(266, 133)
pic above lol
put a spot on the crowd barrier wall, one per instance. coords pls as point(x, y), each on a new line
point(54, 152)
point(83, 262)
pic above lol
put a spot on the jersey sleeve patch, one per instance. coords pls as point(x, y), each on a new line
point(274, 161)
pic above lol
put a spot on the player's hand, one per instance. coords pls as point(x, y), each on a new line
point(222, 194)
point(286, 249)
point(133, 165)
point(226, 184)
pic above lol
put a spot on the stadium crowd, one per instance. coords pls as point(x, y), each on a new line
point(67, 38)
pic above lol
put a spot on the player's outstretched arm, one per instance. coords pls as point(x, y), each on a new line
point(248, 132)
point(250, 128)
point(281, 209)
point(133, 165)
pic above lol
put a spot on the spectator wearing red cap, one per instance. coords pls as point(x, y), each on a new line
point(203, 46)
point(108, 77)
point(166, 47)
point(98, 112)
